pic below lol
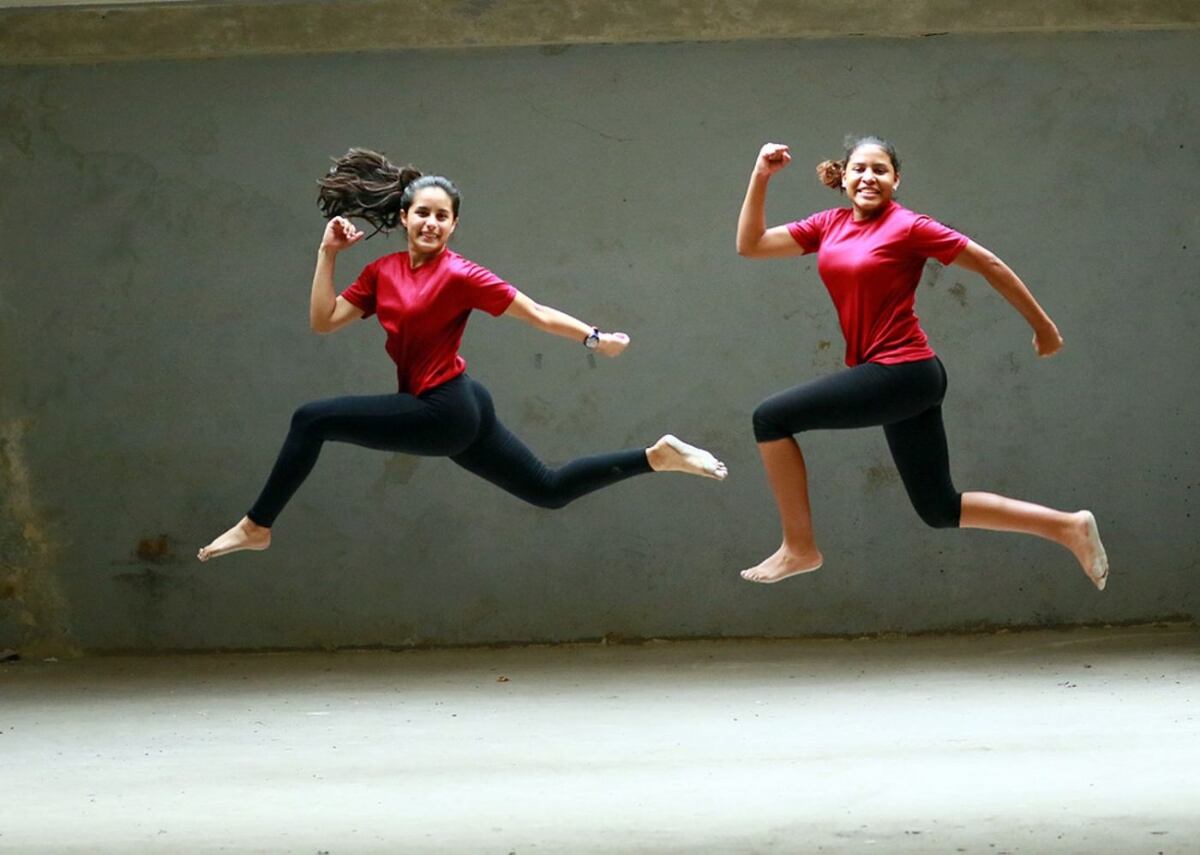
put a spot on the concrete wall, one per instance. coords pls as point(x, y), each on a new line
point(86, 31)
point(159, 224)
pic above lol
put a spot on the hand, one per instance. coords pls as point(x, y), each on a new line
point(339, 234)
point(772, 157)
point(612, 343)
point(1047, 341)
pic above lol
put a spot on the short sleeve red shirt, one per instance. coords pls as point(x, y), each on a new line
point(871, 269)
point(424, 311)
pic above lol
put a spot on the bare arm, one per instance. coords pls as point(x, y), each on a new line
point(1046, 338)
point(328, 311)
point(559, 323)
point(754, 239)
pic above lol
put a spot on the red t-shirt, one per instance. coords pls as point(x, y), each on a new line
point(871, 269)
point(424, 311)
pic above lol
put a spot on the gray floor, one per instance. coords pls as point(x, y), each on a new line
point(1084, 741)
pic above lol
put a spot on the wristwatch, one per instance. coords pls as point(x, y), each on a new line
point(592, 341)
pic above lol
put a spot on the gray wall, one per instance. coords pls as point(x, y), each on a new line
point(159, 230)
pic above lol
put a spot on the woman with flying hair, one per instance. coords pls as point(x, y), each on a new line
point(423, 297)
point(870, 257)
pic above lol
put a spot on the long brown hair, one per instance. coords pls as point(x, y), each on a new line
point(363, 183)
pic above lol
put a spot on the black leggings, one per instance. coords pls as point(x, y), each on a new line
point(906, 399)
point(455, 420)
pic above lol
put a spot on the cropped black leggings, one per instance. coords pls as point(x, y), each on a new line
point(906, 399)
point(455, 420)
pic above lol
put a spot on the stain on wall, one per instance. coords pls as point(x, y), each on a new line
point(29, 591)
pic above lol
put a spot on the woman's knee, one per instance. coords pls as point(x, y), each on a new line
point(939, 511)
point(307, 415)
point(548, 501)
point(768, 422)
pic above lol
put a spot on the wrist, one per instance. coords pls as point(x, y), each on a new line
point(592, 340)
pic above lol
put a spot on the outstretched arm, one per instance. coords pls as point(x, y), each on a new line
point(559, 323)
point(1046, 338)
point(754, 239)
point(328, 311)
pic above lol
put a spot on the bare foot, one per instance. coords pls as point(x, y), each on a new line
point(1084, 542)
point(671, 454)
point(245, 535)
point(784, 563)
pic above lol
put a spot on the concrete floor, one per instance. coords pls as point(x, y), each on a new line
point(1084, 741)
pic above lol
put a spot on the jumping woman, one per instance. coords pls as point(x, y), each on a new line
point(870, 257)
point(423, 298)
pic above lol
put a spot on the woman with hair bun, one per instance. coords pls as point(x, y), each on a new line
point(423, 298)
point(870, 257)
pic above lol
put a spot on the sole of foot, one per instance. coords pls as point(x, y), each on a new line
point(237, 539)
point(751, 575)
point(1098, 572)
point(697, 460)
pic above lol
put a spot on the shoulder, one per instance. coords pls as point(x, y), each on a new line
point(909, 219)
point(901, 215)
point(830, 216)
point(450, 258)
point(388, 262)
point(821, 221)
point(459, 266)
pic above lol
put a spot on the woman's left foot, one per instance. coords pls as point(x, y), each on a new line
point(782, 564)
point(1085, 544)
point(671, 454)
point(245, 535)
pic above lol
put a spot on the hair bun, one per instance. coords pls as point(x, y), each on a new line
point(830, 172)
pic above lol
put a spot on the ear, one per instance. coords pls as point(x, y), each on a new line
point(896, 183)
point(404, 217)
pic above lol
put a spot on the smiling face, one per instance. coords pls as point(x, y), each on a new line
point(870, 180)
point(429, 221)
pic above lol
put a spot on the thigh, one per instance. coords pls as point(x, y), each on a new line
point(498, 456)
point(439, 423)
point(863, 396)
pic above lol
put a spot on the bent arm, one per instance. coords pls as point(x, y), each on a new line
point(559, 323)
point(328, 311)
point(754, 239)
point(1000, 276)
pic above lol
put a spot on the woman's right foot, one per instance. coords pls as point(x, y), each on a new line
point(672, 454)
point(1084, 542)
point(245, 535)
point(784, 563)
